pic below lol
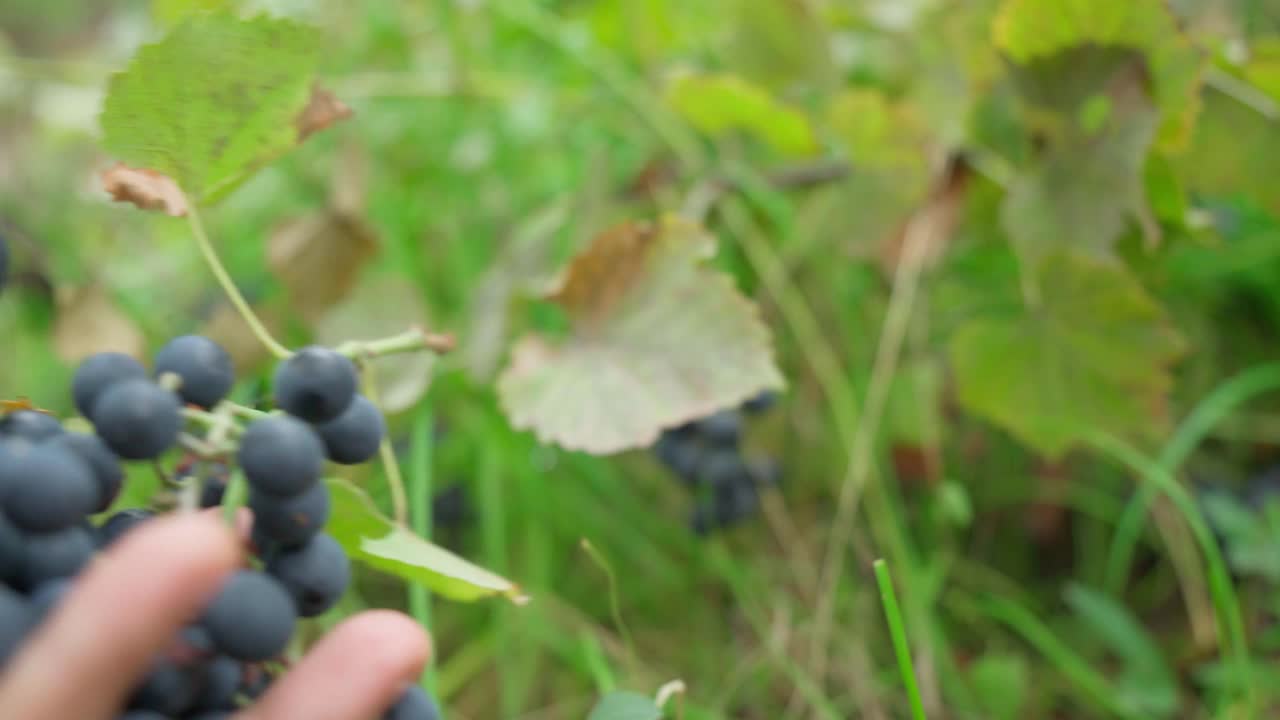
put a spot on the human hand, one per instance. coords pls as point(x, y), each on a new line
point(127, 608)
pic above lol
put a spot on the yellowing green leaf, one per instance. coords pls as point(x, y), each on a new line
point(655, 340)
point(1085, 189)
point(1093, 355)
point(374, 540)
point(717, 104)
point(623, 705)
point(168, 13)
point(1027, 30)
point(213, 101)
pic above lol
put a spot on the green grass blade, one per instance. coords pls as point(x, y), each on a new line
point(420, 482)
point(898, 632)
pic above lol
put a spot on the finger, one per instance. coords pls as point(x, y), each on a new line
point(127, 606)
point(356, 672)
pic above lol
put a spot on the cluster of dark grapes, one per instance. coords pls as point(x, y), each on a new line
point(53, 479)
point(706, 455)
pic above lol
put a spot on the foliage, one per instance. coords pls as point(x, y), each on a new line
point(970, 239)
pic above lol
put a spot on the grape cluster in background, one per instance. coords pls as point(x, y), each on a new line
point(52, 479)
point(706, 456)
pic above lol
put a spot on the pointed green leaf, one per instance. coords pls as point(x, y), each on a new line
point(716, 104)
point(656, 339)
point(1027, 30)
point(374, 540)
point(168, 13)
point(213, 101)
point(1147, 684)
point(622, 705)
point(1092, 355)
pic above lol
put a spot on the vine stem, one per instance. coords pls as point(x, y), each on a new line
point(399, 500)
point(407, 341)
point(229, 287)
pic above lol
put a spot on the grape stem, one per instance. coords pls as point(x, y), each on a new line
point(229, 286)
point(395, 481)
point(407, 341)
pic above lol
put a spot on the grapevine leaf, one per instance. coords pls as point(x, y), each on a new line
point(655, 340)
point(1087, 185)
point(623, 705)
point(878, 132)
point(168, 13)
point(1027, 30)
point(371, 538)
point(1093, 354)
point(720, 103)
point(213, 101)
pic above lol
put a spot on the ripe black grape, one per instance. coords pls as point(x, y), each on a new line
point(251, 618)
point(15, 621)
point(760, 403)
point(11, 550)
point(315, 574)
point(281, 455)
point(31, 425)
point(316, 384)
point(221, 681)
point(170, 688)
point(137, 419)
point(288, 521)
point(205, 368)
point(103, 464)
point(723, 428)
point(54, 555)
point(680, 454)
point(353, 437)
point(45, 488)
point(120, 523)
point(99, 372)
point(414, 704)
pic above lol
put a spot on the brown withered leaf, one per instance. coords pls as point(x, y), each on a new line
point(323, 110)
point(144, 188)
point(89, 322)
point(318, 258)
point(656, 339)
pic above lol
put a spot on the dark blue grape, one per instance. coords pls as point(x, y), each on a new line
point(451, 507)
point(30, 425)
point(100, 372)
point(315, 383)
point(105, 466)
point(16, 620)
point(47, 596)
point(760, 403)
point(45, 488)
point(251, 618)
point(315, 574)
point(221, 681)
point(171, 688)
point(680, 454)
point(138, 419)
point(205, 368)
point(765, 472)
point(289, 521)
point(120, 523)
point(194, 641)
point(414, 704)
point(353, 437)
point(723, 428)
point(723, 467)
point(11, 550)
point(281, 455)
point(54, 555)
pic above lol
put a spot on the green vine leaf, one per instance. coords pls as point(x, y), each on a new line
point(721, 103)
point(623, 705)
point(372, 538)
point(213, 101)
point(1093, 355)
point(655, 340)
point(1027, 30)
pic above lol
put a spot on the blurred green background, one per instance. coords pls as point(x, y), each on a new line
point(1020, 260)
